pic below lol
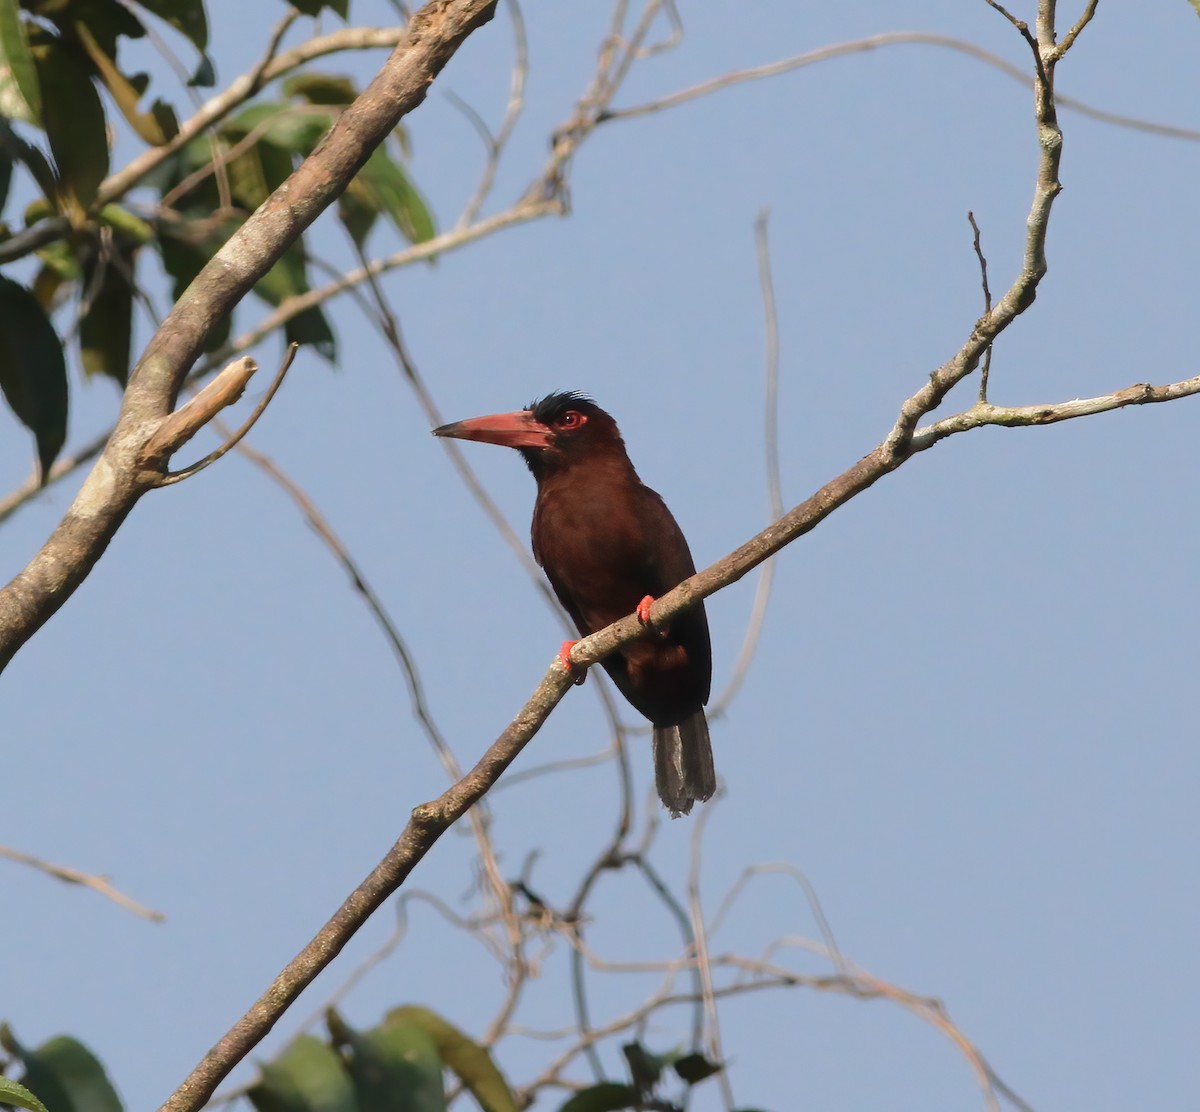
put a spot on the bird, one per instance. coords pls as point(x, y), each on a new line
point(609, 547)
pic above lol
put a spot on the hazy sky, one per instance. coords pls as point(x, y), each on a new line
point(971, 717)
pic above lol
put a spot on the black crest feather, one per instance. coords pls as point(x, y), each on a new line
point(555, 405)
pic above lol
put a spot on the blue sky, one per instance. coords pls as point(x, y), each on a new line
point(970, 720)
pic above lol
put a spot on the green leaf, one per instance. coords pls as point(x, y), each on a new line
point(309, 1076)
point(33, 373)
point(322, 88)
point(186, 247)
point(20, 95)
point(67, 1077)
point(17, 1096)
point(186, 16)
point(396, 1068)
point(293, 128)
point(106, 328)
point(156, 127)
point(256, 173)
point(608, 1096)
point(357, 212)
point(287, 278)
point(129, 227)
point(311, 328)
point(389, 189)
point(60, 265)
point(6, 168)
point(469, 1061)
point(645, 1068)
point(73, 118)
point(35, 162)
point(105, 20)
point(313, 7)
point(205, 76)
point(694, 1068)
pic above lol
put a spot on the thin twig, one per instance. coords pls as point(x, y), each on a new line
point(495, 144)
point(257, 76)
point(1073, 34)
point(986, 369)
point(480, 816)
point(95, 883)
point(762, 591)
point(703, 963)
point(895, 38)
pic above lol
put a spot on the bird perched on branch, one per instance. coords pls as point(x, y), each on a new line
point(610, 547)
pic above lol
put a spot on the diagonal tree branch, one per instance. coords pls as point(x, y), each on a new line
point(116, 482)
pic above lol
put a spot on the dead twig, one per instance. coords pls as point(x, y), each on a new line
point(99, 884)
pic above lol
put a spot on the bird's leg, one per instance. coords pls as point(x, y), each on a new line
point(578, 674)
point(643, 613)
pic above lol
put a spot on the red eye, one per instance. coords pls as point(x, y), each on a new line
point(572, 419)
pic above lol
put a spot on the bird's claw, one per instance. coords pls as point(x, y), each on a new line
point(578, 673)
point(643, 613)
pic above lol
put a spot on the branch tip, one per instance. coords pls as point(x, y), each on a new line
point(179, 427)
point(212, 457)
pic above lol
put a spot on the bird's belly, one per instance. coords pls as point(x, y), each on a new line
point(657, 678)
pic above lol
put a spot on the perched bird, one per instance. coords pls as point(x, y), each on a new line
point(609, 546)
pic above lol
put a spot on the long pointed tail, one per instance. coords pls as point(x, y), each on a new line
point(683, 764)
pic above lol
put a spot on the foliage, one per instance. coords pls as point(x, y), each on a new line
point(56, 58)
point(62, 1074)
point(647, 1072)
point(397, 1066)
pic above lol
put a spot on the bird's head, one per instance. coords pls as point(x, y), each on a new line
point(550, 434)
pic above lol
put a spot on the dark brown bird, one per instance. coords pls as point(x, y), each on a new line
point(609, 546)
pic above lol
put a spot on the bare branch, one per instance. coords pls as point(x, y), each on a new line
point(1023, 290)
point(512, 113)
point(173, 433)
point(876, 42)
point(1024, 416)
point(248, 424)
point(100, 884)
point(986, 370)
point(1073, 34)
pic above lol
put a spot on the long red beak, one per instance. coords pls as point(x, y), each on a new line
point(510, 430)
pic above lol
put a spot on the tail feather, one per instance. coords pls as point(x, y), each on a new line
point(683, 764)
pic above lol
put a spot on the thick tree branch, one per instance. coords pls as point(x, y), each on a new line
point(117, 482)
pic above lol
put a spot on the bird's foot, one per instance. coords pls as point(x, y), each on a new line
point(578, 673)
point(643, 613)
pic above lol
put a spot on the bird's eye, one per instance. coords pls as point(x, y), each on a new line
point(572, 419)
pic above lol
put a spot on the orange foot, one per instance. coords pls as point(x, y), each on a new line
point(578, 674)
point(643, 613)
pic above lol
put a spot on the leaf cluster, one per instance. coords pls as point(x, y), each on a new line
point(56, 59)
